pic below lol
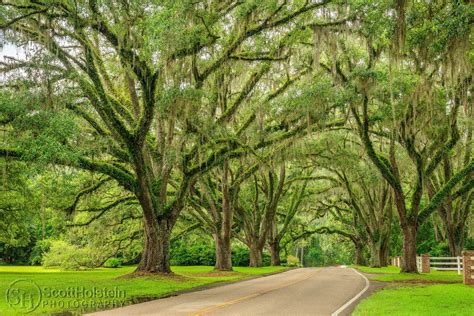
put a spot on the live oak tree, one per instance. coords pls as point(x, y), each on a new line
point(455, 210)
point(371, 200)
point(149, 108)
point(295, 197)
point(211, 206)
point(146, 108)
point(359, 190)
point(395, 87)
point(256, 208)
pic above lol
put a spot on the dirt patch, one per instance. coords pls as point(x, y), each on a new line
point(424, 281)
point(216, 274)
point(169, 276)
point(143, 299)
point(369, 275)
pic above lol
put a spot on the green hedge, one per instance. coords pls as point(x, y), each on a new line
point(202, 253)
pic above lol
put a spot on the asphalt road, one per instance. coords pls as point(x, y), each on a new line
point(307, 291)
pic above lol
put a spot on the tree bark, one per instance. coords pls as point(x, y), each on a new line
point(156, 251)
point(359, 258)
point(223, 254)
point(379, 251)
point(223, 238)
point(384, 249)
point(375, 254)
point(274, 247)
point(455, 239)
point(409, 248)
point(255, 255)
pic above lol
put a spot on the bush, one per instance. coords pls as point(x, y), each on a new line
point(197, 253)
point(38, 251)
point(113, 263)
point(292, 261)
point(203, 253)
point(71, 257)
point(241, 257)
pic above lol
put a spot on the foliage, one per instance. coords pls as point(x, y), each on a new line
point(194, 254)
point(39, 250)
point(340, 128)
point(203, 253)
point(113, 263)
point(292, 261)
point(71, 257)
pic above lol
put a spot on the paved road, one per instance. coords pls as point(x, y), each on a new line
point(308, 291)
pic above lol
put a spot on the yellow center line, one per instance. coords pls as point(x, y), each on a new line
point(247, 297)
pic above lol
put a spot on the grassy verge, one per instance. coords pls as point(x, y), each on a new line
point(436, 293)
point(72, 290)
point(392, 274)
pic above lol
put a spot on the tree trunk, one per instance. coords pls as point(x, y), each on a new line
point(379, 251)
point(359, 259)
point(223, 254)
point(455, 239)
point(409, 248)
point(384, 249)
point(223, 237)
point(255, 255)
point(156, 250)
point(274, 247)
point(375, 254)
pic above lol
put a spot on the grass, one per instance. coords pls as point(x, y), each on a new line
point(417, 294)
point(438, 299)
point(392, 273)
point(127, 289)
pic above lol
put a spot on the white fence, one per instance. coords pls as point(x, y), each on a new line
point(444, 263)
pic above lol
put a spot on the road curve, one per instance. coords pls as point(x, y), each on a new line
point(307, 291)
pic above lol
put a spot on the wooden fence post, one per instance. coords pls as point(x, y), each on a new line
point(468, 266)
point(425, 263)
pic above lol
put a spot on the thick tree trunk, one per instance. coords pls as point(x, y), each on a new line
point(379, 252)
point(359, 258)
point(255, 255)
point(223, 237)
point(384, 250)
point(156, 250)
point(409, 248)
point(375, 254)
point(455, 240)
point(274, 247)
point(223, 254)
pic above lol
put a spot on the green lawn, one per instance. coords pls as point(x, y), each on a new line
point(392, 273)
point(59, 292)
point(422, 297)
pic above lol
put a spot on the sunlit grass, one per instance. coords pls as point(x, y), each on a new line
point(421, 298)
point(438, 299)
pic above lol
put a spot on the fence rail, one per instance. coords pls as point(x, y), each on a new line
point(425, 263)
point(447, 263)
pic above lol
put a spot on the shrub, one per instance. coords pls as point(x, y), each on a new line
point(292, 261)
point(71, 257)
point(197, 253)
point(241, 257)
point(38, 251)
point(113, 263)
point(203, 253)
